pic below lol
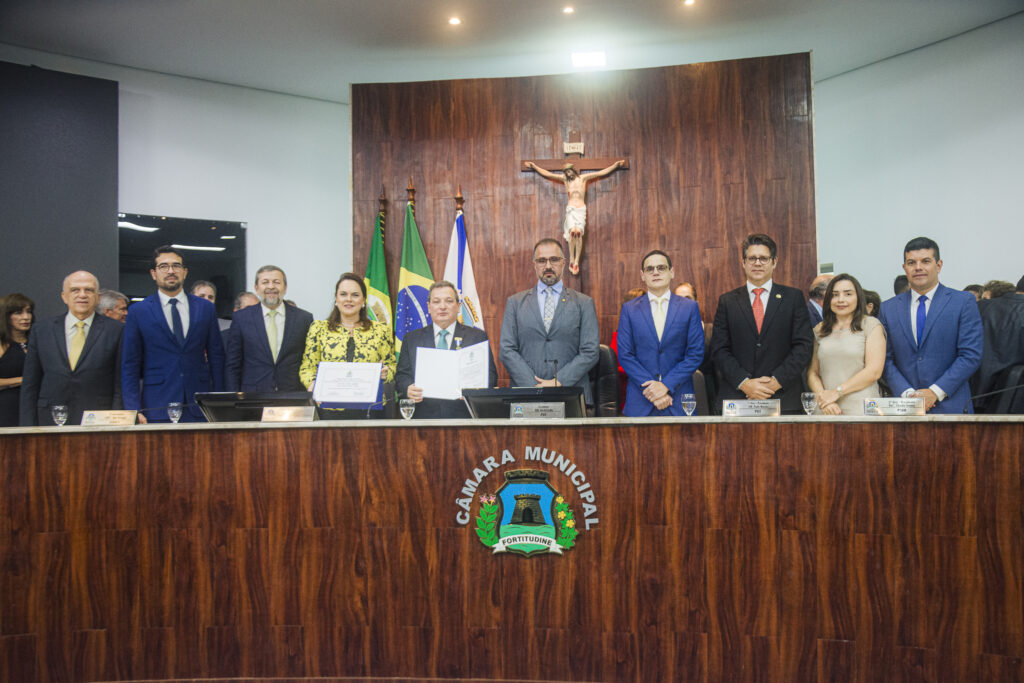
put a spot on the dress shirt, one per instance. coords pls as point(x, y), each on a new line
point(817, 307)
point(542, 294)
point(182, 309)
point(914, 297)
point(69, 326)
point(279, 320)
point(764, 295)
point(449, 339)
point(656, 310)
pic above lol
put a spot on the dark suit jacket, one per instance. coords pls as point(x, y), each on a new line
point(950, 350)
point(424, 338)
point(168, 370)
point(671, 360)
point(250, 366)
point(812, 311)
point(528, 350)
point(782, 349)
point(1003, 321)
point(94, 384)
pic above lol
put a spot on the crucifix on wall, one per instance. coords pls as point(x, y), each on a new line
point(572, 172)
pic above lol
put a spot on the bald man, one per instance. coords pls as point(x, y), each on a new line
point(73, 359)
point(816, 296)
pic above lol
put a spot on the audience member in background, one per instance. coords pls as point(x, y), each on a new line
point(993, 289)
point(872, 303)
point(849, 350)
point(661, 343)
point(762, 339)
point(205, 289)
point(976, 290)
point(246, 299)
point(1003, 321)
point(688, 290)
point(934, 335)
point(614, 346)
point(900, 284)
point(73, 359)
point(113, 304)
point(171, 344)
point(348, 335)
point(15, 324)
point(265, 343)
point(816, 297)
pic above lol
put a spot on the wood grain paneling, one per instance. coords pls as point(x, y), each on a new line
point(724, 551)
point(717, 150)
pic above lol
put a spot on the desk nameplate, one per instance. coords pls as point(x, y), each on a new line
point(894, 406)
point(769, 407)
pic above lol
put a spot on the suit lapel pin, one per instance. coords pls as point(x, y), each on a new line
point(458, 342)
point(778, 296)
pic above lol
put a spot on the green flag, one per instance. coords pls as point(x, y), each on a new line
point(378, 305)
point(414, 282)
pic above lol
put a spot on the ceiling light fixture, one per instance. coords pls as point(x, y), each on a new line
point(227, 237)
point(584, 60)
point(132, 226)
point(568, 10)
point(455, 21)
point(688, 2)
point(192, 247)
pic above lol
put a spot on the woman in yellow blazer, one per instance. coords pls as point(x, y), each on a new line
point(348, 335)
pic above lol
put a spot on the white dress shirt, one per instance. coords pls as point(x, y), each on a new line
point(182, 309)
point(657, 311)
point(279, 320)
point(69, 326)
point(450, 339)
point(764, 295)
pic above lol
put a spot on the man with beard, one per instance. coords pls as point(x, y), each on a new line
point(172, 346)
point(265, 342)
point(549, 333)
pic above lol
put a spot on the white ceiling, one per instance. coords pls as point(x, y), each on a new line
point(315, 48)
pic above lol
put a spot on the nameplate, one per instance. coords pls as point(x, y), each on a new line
point(894, 406)
point(554, 410)
point(108, 418)
point(288, 414)
point(768, 407)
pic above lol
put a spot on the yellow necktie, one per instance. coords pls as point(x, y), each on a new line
point(77, 344)
point(659, 318)
point(272, 333)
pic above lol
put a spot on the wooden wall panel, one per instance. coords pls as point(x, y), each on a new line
point(717, 150)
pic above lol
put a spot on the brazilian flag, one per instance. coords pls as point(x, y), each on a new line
point(414, 282)
point(379, 299)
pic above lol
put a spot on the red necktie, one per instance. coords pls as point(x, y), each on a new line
point(758, 308)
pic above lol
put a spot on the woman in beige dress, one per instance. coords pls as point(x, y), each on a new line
point(849, 350)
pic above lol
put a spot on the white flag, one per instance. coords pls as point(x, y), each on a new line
point(459, 271)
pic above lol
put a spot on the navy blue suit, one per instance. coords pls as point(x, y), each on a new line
point(170, 371)
point(250, 365)
point(672, 360)
point(950, 350)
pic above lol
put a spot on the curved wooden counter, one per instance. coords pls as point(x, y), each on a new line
point(784, 550)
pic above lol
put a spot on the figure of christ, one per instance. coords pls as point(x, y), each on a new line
point(576, 209)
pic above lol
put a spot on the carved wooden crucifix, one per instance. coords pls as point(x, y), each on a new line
point(572, 172)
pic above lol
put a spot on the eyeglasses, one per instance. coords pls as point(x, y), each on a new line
point(554, 260)
point(662, 268)
point(165, 267)
point(758, 259)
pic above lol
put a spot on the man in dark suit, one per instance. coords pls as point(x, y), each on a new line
point(265, 343)
point(1003, 321)
point(73, 359)
point(660, 343)
point(172, 346)
point(549, 332)
point(444, 333)
point(934, 335)
point(816, 297)
point(762, 339)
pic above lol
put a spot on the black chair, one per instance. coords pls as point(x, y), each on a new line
point(700, 390)
point(604, 383)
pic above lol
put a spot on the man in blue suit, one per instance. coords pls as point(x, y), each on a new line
point(934, 335)
point(265, 343)
point(660, 341)
point(172, 345)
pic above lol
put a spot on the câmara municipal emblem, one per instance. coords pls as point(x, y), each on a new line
point(526, 516)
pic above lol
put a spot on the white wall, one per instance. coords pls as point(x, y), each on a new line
point(927, 143)
point(196, 149)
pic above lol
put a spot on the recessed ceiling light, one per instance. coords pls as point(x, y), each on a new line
point(582, 60)
point(568, 10)
point(127, 225)
point(455, 21)
point(227, 237)
point(192, 247)
point(688, 2)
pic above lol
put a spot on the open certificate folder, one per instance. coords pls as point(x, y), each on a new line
point(442, 373)
point(347, 385)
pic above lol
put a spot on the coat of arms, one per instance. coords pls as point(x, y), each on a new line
point(526, 516)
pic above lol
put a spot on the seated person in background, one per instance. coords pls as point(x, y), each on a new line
point(849, 351)
point(934, 335)
point(113, 304)
point(348, 335)
point(976, 290)
point(265, 343)
point(445, 332)
point(993, 289)
point(762, 340)
point(661, 343)
point(73, 359)
point(900, 284)
point(1003, 321)
point(16, 316)
point(872, 303)
point(816, 297)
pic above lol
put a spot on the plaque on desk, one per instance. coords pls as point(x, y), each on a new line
point(769, 407)
point(288, 414)
point(894, 406)
point(537, 411)
point(108, 418)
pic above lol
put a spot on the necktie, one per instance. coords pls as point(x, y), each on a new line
point(442, 339)
point(272, 333)
point(758, 308)
point(659, 316)
point(176, 326)
point(77, 344)
point(920, 318)
point(350, 349)
point(549, 308)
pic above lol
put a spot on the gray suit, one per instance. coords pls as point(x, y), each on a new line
point(572, 341)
